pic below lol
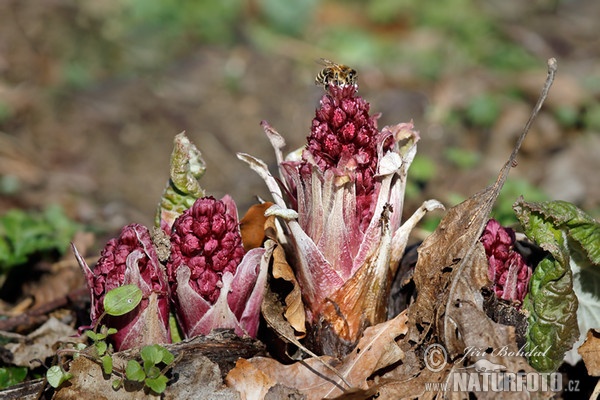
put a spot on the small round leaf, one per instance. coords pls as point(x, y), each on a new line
point(151, 353)
point(122, 300)
point(56, 376)
point(134, 371)
point(158, 384)
point(107, 364)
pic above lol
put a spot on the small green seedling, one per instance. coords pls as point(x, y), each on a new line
point(56, 376)
point(148, 370)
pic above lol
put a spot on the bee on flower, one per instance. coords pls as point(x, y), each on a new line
point(335, 74)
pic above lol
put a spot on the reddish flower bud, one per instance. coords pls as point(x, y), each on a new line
point(131, 259)
point(213, 281)
point(507, 269)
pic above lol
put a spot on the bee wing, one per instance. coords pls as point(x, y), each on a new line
point(325, 62)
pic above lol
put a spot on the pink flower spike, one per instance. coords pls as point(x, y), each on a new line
point(507, 269)
point(214, 284)
point(131, 259)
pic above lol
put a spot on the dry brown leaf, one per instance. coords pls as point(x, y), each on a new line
point(449, 275)
point(590, 352)
point(249, 380)
point(41, 343)
point(312, 378)
point(89, 382)
point(252, 226)
point(294, 311)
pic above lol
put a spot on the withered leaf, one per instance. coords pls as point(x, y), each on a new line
point(294, 311)
point(252, 226)
point(449, 275)
point(376, 349)
point(590, 352)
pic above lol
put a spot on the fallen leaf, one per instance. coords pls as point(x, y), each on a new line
point(41, 343)
point(252, 226)
point(449, 275)
point(316, 380)
point(294, 310)
point(255, 388)
point(590, 352)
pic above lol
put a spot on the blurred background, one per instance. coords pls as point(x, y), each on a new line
point(92, 94)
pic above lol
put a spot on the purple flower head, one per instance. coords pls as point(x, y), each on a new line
point(131, 259)
point(507, 269)
point(344, 138)
point(213, 281)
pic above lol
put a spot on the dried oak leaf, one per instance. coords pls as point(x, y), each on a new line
point(316, 380)
point(252, 226)
point(590, 352)
point(294, 307)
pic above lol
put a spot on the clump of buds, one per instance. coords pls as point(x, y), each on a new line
point(131, 259)
point(209, 279)
point(507, 269)
point(214, 283)
point(347, 191)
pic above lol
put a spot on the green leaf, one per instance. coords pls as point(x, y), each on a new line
point(101, 348)
point(153, 372)
point(56, 376)
point(151, 354)
point(167, 356)
point(582, 234)
point(158, 384)
point(10, 376)
point(111, 331)
point(107, 364)
point(92, 335)
point(116, 384)
point(551, 302)
point(121, 300)
point(25, 234)
point(134, 371)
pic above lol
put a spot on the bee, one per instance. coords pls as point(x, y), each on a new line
point(335, 74)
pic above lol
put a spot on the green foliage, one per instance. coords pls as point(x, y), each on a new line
point(422, 170)
point(564, 291)
point(24, 235)
point(148, 371)
point(56, 376)
point(464, 159)
point(512, 189)
point(567, 115)
point(288, 17)
point(166, 22)
point(10, 376)
point(591, 117)
point(483, 110)
point(122, 300)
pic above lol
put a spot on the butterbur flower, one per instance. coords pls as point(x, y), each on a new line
point(131, 259)
point(347, 188)
point(214, 282)
point(507, 269)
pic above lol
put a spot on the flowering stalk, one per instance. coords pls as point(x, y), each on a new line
point(507, 269)
point(347, 188)
point(214, 282)
point(131, 259)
